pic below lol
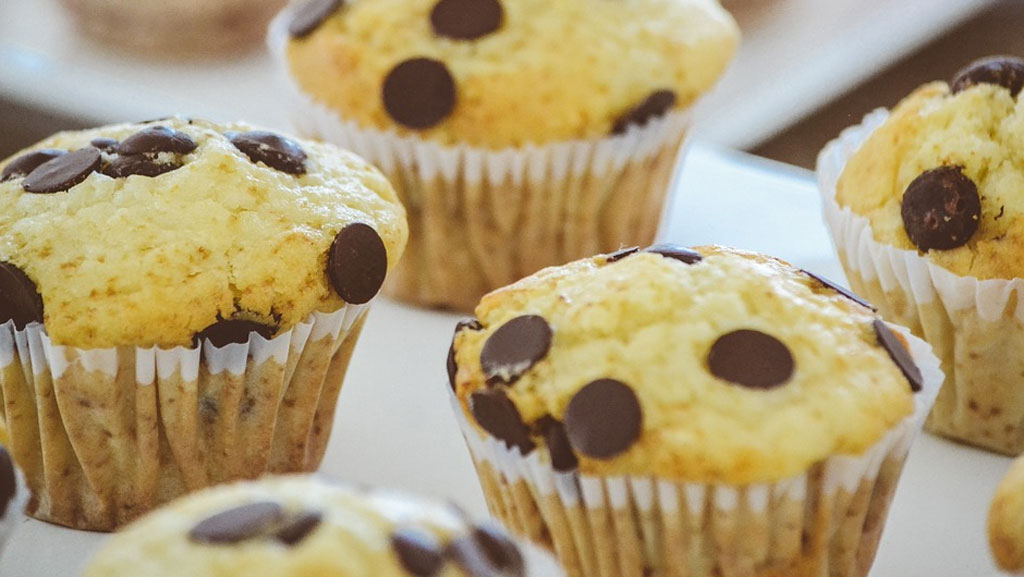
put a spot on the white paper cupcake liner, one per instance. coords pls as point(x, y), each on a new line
point(826, 521)
point(480, 218)
point(104, 435)
point(974, 325)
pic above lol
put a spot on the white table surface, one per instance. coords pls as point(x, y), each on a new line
point(394, 426)
point(796, 56)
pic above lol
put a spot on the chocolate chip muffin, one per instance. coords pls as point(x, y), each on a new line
point(292, 526)
point(519, 133)
point(179, 299)
point(674, 411)
point(12, 497)
point(1006, 520)
point(924, 208)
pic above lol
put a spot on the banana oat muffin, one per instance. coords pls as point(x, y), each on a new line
point(520, 133)
point(296, 526)
point(770, 409)
point(928, 218)
point(226, 265)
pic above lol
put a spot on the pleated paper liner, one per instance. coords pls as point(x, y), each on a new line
point(104, 435)
point(480, 219)
point(975, 326)
point(827, 521)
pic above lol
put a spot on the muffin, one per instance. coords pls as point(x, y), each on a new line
point(169, 30)
point(1006, 520)
point(292, 526)
point(681, 412)
point(179, 302)
point(12, 497)
point(923, 204)
point(518, 133)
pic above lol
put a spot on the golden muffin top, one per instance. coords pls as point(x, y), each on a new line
point(943, 174)
point(706, 365)
point(301, 526)
point(498, 73)
point(154, 233)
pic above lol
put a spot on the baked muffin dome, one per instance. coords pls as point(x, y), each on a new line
point(292, 526)
point(707, 365)
point(942, 174)
point(497, 73)
point(148, 234)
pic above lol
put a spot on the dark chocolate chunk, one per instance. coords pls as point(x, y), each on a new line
point(471, 324)
point(238, 524)
point(419, 93)
point(563, 459)
point(298, 527)
point(418, 551)
point(62, 172)
point(26, 163)
point(514, 348)
point(674, 251)
point(103, 143)
point(140, 164)
point(357, 263)
point(228, 331)
point(1005, 71)
point(658, 103)
point(311, 15)
point(19, 298)
point(157, 139)
point(498, 415)
point(603, 419)
point(620, 254)
point(487, 552)
point(750, 358)
point(941, 209)
point(840, 289)
point(466, 19)
point(274, 150)
point(892, 343)
point(8, 481)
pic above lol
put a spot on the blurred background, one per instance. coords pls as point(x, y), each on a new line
point(806, 69)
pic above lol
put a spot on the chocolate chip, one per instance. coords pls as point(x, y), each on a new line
point(677, 252)
point(19, 298)
point(229, 331)
point(103, 143)
point(840, 289)
point(311, 15)
point(466, 19)
point(418, 551)
point(514, 348)
point(487, 552)
point(157, 139)
point(563, 459)
point(498, 415)
point(238, 524)
point(941, 209)
point(141, 165)
point(620, 254)
point(751, 359)
point(8, 481)
point(896, 349)
point(63, 172)
point(274, 150)
point(419, 93)
point(298, 527)
point(471, 324)
point(603, 419)
point(1005, 71)
point(658, 103)
point(357, 263)
point(26, 163)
